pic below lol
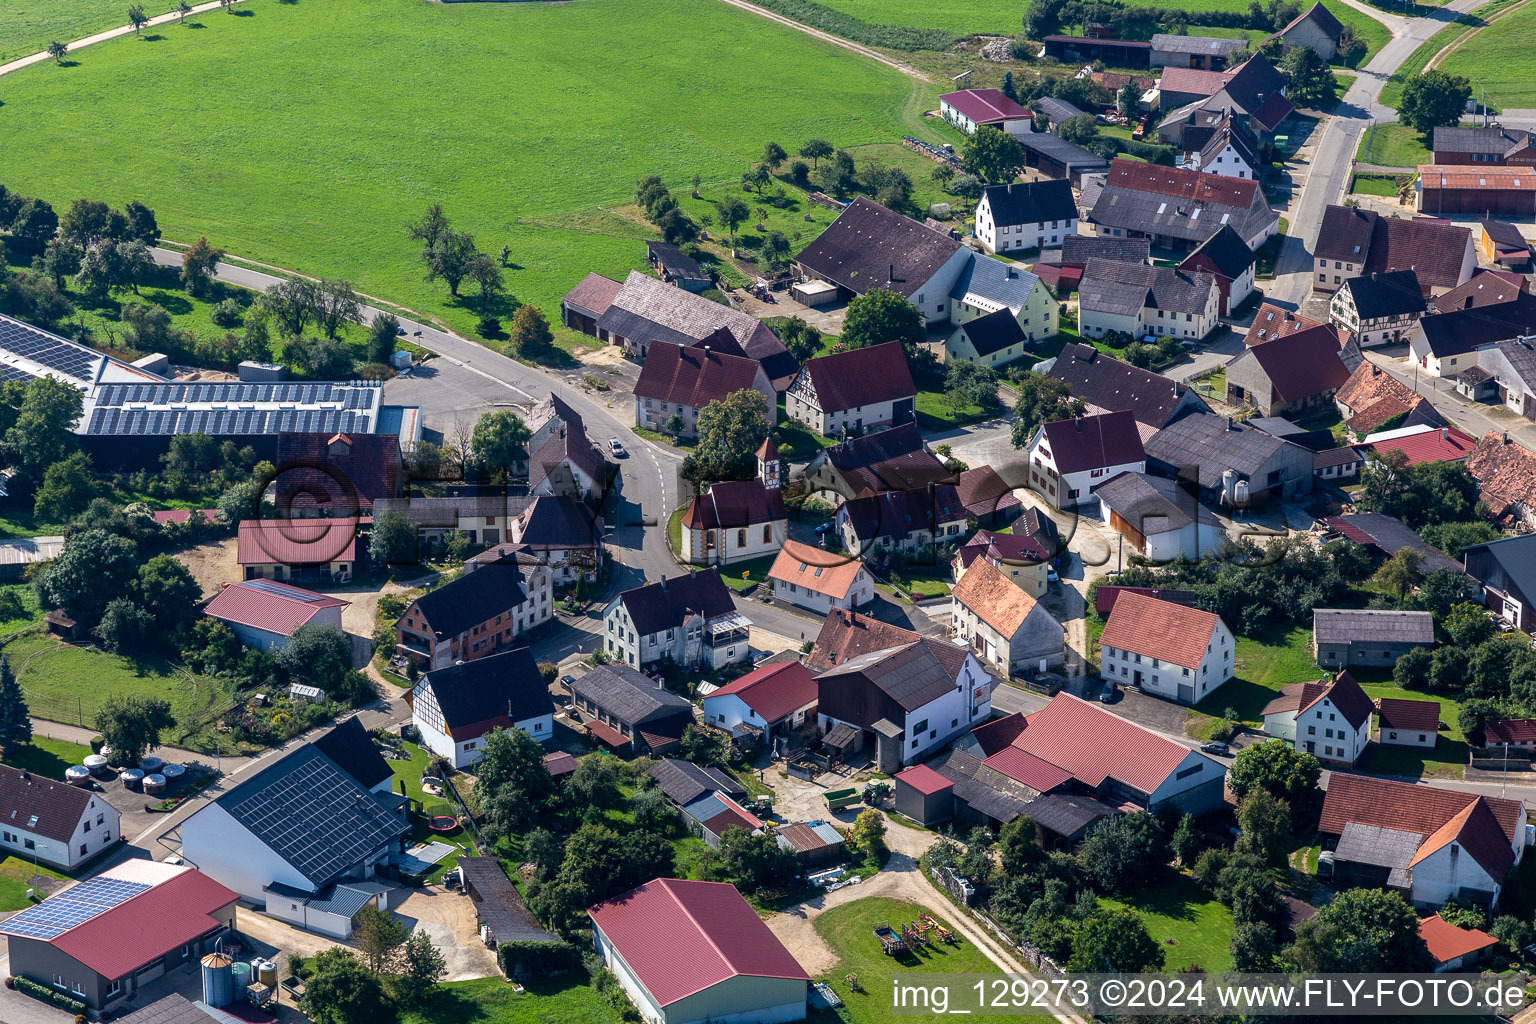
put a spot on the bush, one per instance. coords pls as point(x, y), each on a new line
point(488, 327)
point(45, 994)
point(536, 959)
point(227, 313)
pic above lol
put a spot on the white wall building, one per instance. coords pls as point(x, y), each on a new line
point(53, 823)
point(1033, 215)
point(457, 707)
point(1169, 650)
point(817, 580)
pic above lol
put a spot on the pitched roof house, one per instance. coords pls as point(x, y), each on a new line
point(1227, 258)
point(1378, 308)
point(1220, 141)
point(630, 712)
point(846, 635)
point(680, 380)
point(1026, 215)
point(1505, 471)
point(265, 613)
point(888, 460)
point(336, 474)
point(302, 550)
point(1068, 459)
point(482, 612)
point(1447, 343)
point(969, 109)
point(1161, 519)
point(1372, 400)
point(1022, 557)
point(688, 619)
point(819, 580)
point(1137, 300)
point(1006, 627)
point(1406, 837)
point(567, 464)
point(1106, 384)
point(1505, 570)
point(1179, 208)
point(1328, 718)
point(733, 521)
point(1295, 372)
point(1272, 322)
point(564, 533)
point(57, 824)
point(991, 340)
point(1207, 446)
point(1062, 268)
point(1316, 27)
point(687, 952)
point(456, 707)
point(766, 703)
point(585, 304)
point(1408, 723)
point(1168, 649)
point(1356, 241)
point(860, 390)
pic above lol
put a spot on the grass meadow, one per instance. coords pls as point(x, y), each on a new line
point(27, 26)
point(307, 134)
point(1501, 60)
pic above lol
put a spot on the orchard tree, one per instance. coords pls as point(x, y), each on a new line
point(730, 431)
point(967, 187)
point(530, 335)
point(814, 150)
point(137, 17)
point(1277, 768)
point(1362, 931)
point(512, 782)
point(1433, 98)
point(451, 258)
point(199, 264)
point(732, 213)
point(132, 725)
point(774, 155)
point(499, 444)
point(429, 228)
point(1114, 940)
point(142, 225)
point(992, 155)
point(57, 50)
point(881, 315)
point(1041, 399)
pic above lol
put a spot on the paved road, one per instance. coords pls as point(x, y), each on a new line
point(1474, 417)
point(101, 37)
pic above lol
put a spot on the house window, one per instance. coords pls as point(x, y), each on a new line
point(82, 849)
point(920, 727)
point(768, 534)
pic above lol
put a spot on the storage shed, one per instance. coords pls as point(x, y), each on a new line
point(924, 795)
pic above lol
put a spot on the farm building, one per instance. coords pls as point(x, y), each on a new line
point(1211, 447)
point(1169, 650)
point(1207, 52)
point(1141, 301)
point(1353, 242)
point(1106, 384)
point(1342, 637)
point(300, 550)
point(1253, 91)
point(1179, 208)
point(1062, 268)
point(1453, 948)
point(910, 522)
point(814, 843)
point(50, 822)
point(1505, 471)
point(500, 909)
point(457, 706)
point(970, 109)
point(677, 267)
point(265, 613)
point(1119, 53)
point(1018, 215)
point(686, 952)
point(631, 713)
point(336, 474)
point(1007, 628)
point(1510, 732)
point(1503, 245)
point(1447, 344)
point(1055, 157)
point(860, 390)
point(1316, 27)
point(1479, 191)
point(1070, 458)
point(1386, 535)
point(1372, 399)
point(1161, 520)
point(924, 796)
point(766, 704)
point(710, 816)
point(1474, 144)
point(887, 460)
point(819, 581)
point(1505, 571)
point(1328, 718)
point(685, 782)
point(1407, 723)
point(1291, 374)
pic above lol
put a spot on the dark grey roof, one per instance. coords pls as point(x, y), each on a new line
point(560, 522)
point(499, 690)
point(1154, 213)
point(1031, 202)
point(1520, 357)
point(497, 903)
point(344, 899)
point(1517, 556)
point(313, 815)
point(472, 598)
point(969, 775)
point(1214, 444)
point(1150, 504)
point(868, 246)
point(1336, 457)
point(1395, 293)
point(1055, 148)
point(1355, 625)
point(176, 1009)
point(995, 332)
point(1464, 330)
point(684, 782)
point(350, 746)
point(911, 675)
point(1196, 44)
point(1109, 384)
point(1056, 110)
point(1502, 232)
point(1479, 140)
point(1067, 814)
point(628, 696)
point(664, 605)
point(1377, 846)
point(56, 806)
point(1081, 248)
point(1127, 288)
point(1228, 253)
point(676, 262)
point(1391, 535)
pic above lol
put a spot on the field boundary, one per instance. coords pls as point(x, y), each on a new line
point(111, 33)
point(1461, 40)
point(835, 40)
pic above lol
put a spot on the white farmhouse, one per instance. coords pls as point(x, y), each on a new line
point(455, 708)
point(53, 823)
point(1068, 459)
point(1137, 300)
point(1328, 718)
point(1007, 628)
point(1026, 215)
point(818, 580)
point(1165, 649)
point(689, 620)
point(970, 109)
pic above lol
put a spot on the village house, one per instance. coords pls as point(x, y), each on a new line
point(1207, 52)
point(1018, 215)
point(1023, 558)
point(678, 381)
point(857, 391)
point(1062, 269)
point(1161, 519)
point(488, 608)
point(1217, 142)
point(1427, 844)
point(567, 465)
point(1140, 301)
point(1228, 457)
point(1511, 365)
point(905, 701)
point(1352, 242)
point(1510, 732)
point(1178, 208)
point(1501, 244)
point(1407, 723)
point(1449, 343)
point(818, 581)
point(1475, 144)
point(991, 341)
point(1368, 637)
point(846, 635)
point(335, 475)
point(905, 522)
point(1007, 628)
point(265, 613)
point(1291, 374)
point(548, 415)
point(1505, 472)
point(1316, 27)
point(1328, 718)
point(53, 823)
point(630, 713)
point(1453, 948)
point(102, 941)
point(298, 550)
point(1378, 308)
point(689, 620)
point(889, 460)
point(564, 534)
point(1228, 259)
point(456, 707)
point(737, 520)
point(1271, 322)
point(1166, 649)
point(1106, 384)
point(687, 952)
point(1068, 459)
point(244, 839)
point(1372, 400)
point(970, 109)
point(1505, 571)
point(1253, 92)
point(764, 705)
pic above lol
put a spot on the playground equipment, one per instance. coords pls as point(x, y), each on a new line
point(890, 941)
point(915, 933)
point(940, 932)
point(443, 823)
point(839, 799)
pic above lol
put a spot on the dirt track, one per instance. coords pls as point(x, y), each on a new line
point(827, 37)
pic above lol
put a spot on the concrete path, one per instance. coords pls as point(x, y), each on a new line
point(112, 33)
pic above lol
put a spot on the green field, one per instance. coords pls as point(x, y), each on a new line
point(1365, 185)
point(545, 115)
point(1392, 145)
point(16, 877)
point(47, 757)
point(1192, 928)
point(566, 1000)
point(1502, 60)
point(27, 26)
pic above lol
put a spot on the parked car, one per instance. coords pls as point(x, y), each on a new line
point(1108, 694)
point(567, 680)
point(1215, 747)
point(1052, 575)
point(617, 448)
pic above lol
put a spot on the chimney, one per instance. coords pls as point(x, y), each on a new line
point(25, 774)
point(890, 273)
point(1231, 423)
point(1506, 438)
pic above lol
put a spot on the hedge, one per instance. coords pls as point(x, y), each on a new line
point(48, 995)
point(536, 959)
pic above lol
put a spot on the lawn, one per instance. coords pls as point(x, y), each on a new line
point(849, 929)
point(1192, 928)
point(1501, 60)
point(1446, 760)
point(1370, 185)
point(1393, 145)
point(497, 135)
point(934, 412)
point(53, 677)
point(16, 876)
point(27, 26)
point(566, 1000)
point(407, 774)
point(47, 757)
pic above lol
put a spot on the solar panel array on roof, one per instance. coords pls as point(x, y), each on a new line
point(220, 422)
point(353, 396)
point(43, 348)
point(8, 373)
point(283, 590)
point(58, 914)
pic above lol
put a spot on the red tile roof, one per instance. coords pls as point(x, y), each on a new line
point(860, 376)
point(1164, 630)
point(1505, 471)
point(1477, 179)
point(1369, 387)
point(1195, 81)
point(847, 635)
point(1272, 322)
point(924, 779)
point(734, 503)
point(1445, 444)
point(1094, 744)
point(1510, 730)
point(1484, 288)
point(693, 377)
point(773, 691)
point(1303, 364)
point(1022, 766)
point(1345, 694)
point(297, 541)
point(815, 569)
point(1446, 942)
point(1104, 598)
point(1197, 186)
point(993, 597)
point(999, 733)
point(269, 605)
point(182, 515)
point(984, 106)
point(733, 816)
point(1475, 828)
point(559, 763)
point(594, 293)
point(1399, 713)
point(680, 937)
point(1095, 442)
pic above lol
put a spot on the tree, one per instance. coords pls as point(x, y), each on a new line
point(182, 10)
point(421, 965)
point(943, 174)
point(1468, 625)
point(199, 264)
point(1311, 82)
point(135, 264)
point(530, 334)
point(36, 297)
point(802, 340)
point(594, 784)
point(137, 17)
point(703, 746)
point(1018, 846)
point(43, 432)
point(881, 315)
point(499, 444)
point(732, 213)
point(60, 260)
point(15, 718)
point(774, 155)
point(1362, 931)
point(814, 150)
point(142, 225)
point(1264, 821)
point(513, 782)
point(1402, 572)
point(973, 383)
point(335, 304)
point(1187, 841)
point(340, 990)
point(967, 187)
point(775, 248)
point(1411, 672)
point(383, 335)
point(1276, 768)
point(1433, 98)
point(868, 834)
point(167, 590)
point(1079, 130)
point(1041, 400)
point(293, 301)
point(34, 222)
point(378, 934)
point(96, 269)
point(316, 654)
point(1008, 88)
point(67, 487)
point(730, 431)
point(1125, 852)
point(756, 862)
point(393, 541)
point(124, 626)
point(1128, 100)
point(131, 725)
point(992, 155)
point(451, 258)
point(432, 225)
point(840, 176)
point(149, 326)
point(1253, 947)
point(653, 811)
point(320, 358)
point(487, 277)
point(57, 50)
point(1114, 940)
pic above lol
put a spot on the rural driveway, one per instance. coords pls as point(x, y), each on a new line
point(101, 37)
